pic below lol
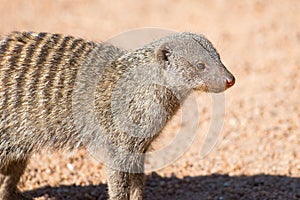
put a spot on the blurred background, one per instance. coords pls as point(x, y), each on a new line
point(257, 156)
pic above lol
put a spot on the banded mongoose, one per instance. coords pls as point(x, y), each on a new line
point(48, 80)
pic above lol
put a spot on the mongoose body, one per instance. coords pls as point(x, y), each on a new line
point(43, 85)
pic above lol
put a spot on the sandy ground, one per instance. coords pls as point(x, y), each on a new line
point(258, 153)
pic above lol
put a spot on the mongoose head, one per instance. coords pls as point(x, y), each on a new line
point(192, 61)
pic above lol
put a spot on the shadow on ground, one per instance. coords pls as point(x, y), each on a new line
point(217, 186)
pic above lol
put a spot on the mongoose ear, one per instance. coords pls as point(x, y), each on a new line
point(163, 53)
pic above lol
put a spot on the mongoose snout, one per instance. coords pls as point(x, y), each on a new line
point(230, 81)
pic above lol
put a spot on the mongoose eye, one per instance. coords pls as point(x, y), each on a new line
point(200, 65)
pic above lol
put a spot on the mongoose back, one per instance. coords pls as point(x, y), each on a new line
point(39, 74)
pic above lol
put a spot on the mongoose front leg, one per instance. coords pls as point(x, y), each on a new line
point(9, 177)
point(118, 184)
point(137, 181)
point(137, 178)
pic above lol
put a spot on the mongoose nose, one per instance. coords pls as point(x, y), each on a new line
point(230, 82)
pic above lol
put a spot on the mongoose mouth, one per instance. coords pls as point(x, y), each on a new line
point(202, 88)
